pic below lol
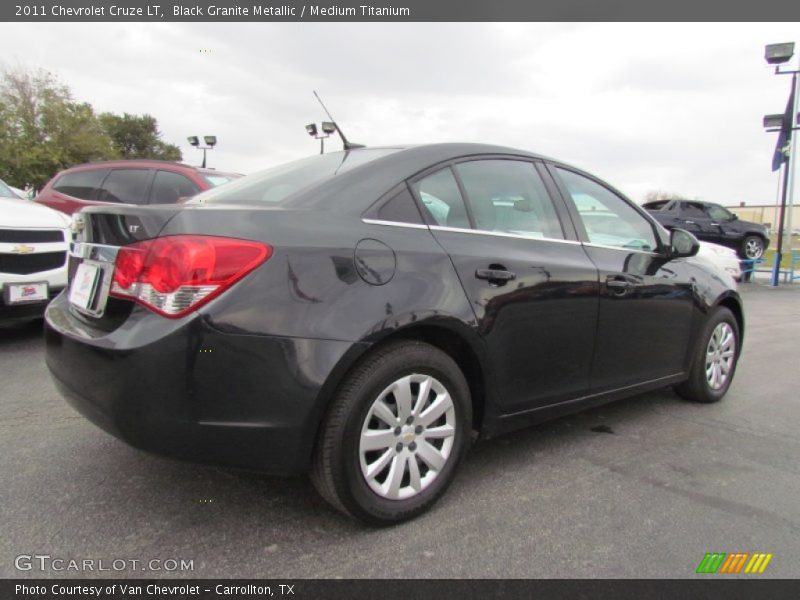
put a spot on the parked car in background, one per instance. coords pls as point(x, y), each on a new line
point(712, 223)
point(33, 258)
point(722, 257)
point(7, 191)
point(127, 182)
point(358, 315)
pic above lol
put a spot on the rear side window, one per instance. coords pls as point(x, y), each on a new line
point(694, 209)
point(81, 184)
point(169, 187)
point(441, 199)
point(509, 196)
point(125, 185)
point(399, 208)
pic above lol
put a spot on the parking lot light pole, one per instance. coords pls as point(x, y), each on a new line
point(210, 140)
point(778, 54)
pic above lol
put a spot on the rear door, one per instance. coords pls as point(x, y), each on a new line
point(646, 300)
point(531, 285)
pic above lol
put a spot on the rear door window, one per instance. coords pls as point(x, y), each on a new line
point(80, 184)
point(128, 186)
point(441, 200)
point(509, 196)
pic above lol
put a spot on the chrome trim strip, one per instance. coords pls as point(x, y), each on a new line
point(501, 234)
point(648, 252)
point(99, 252)
point(394, 223)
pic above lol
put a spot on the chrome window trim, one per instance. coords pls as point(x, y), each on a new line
point(501, 234)
point(394, 223)
point(648, 252)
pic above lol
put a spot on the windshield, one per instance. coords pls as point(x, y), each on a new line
point(278, 183)
point(218, 178)
point(6, 192)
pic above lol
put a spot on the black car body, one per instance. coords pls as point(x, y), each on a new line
point(712, 223)
point(541, 316)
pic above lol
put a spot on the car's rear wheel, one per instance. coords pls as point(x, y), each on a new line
point(752, 247)
point(394, 435)
point(715, 359)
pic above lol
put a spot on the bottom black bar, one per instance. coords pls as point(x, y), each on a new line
point(397, 589)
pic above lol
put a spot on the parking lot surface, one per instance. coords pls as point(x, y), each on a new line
point(640, 488)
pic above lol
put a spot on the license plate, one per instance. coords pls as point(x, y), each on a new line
point(84, 284)
point(21, 293)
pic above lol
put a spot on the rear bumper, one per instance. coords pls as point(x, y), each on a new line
point(186, 390)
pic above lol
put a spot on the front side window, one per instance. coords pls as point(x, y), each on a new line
point(509, 196)
point(718, 213)
point(608, 219)
point(442, 199)
point(80, 184)
point(169, 187)
point(125, 185)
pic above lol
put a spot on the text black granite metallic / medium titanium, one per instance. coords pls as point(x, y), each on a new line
point(359, 315)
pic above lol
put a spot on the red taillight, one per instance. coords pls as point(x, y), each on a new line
point(177, 274)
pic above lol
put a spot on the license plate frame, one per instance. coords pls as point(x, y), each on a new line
point(84, 286)
point(14, 293)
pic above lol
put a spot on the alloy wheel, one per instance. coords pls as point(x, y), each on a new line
point(407, 436)
point(720, 355)
point(754, 248)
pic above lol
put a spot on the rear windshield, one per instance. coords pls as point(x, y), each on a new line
point(276, 184)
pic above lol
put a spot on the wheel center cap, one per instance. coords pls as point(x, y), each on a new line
point(408, 436)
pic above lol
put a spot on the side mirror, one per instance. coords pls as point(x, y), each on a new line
point(682, 244)
point(734, 217)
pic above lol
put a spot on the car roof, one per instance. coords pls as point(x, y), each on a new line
point(133, 162)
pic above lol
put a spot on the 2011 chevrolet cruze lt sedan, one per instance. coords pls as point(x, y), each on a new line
point(358, 315)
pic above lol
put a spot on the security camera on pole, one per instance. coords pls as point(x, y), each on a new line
point(786, 124)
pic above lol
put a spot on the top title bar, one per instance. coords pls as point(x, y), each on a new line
point(400, 10)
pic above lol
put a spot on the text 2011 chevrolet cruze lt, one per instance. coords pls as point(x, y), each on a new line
point(357, 315)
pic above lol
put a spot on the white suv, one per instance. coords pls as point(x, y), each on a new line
point(34, 241)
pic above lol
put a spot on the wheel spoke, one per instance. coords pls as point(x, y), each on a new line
point(436, 409)
point(384, 413)
point(413, 471)
point(422, 395)
point(430, 455)
point(402, 394)
point(395, 478)
point(443, 431)
point(379, 465)
point(377, 439)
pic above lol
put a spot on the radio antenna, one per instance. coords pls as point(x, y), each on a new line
point(347, 144)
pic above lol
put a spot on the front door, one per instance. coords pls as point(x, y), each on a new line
point(646, 300)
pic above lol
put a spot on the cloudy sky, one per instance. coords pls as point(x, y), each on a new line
point(673, 107)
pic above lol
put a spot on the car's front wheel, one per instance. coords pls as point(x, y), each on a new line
point(715, 359)
point(394, 435)
point(752, 247)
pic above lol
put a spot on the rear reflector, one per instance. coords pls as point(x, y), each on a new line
point(177, 274)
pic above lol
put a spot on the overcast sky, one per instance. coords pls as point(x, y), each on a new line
point(673, 107)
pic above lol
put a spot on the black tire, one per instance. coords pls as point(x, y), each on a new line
point(697, 388)
point(336, 468)
point(752, 247)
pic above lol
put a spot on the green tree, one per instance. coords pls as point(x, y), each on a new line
point(138, 137)
point(43, 129)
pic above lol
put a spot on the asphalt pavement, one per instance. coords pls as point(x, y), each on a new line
point(639, 488)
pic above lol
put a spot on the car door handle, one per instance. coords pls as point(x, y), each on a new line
point(688, 222)
point(622, 283)
point(497, 276)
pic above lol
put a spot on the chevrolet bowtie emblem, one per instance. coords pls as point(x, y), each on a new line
point(22, 249)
